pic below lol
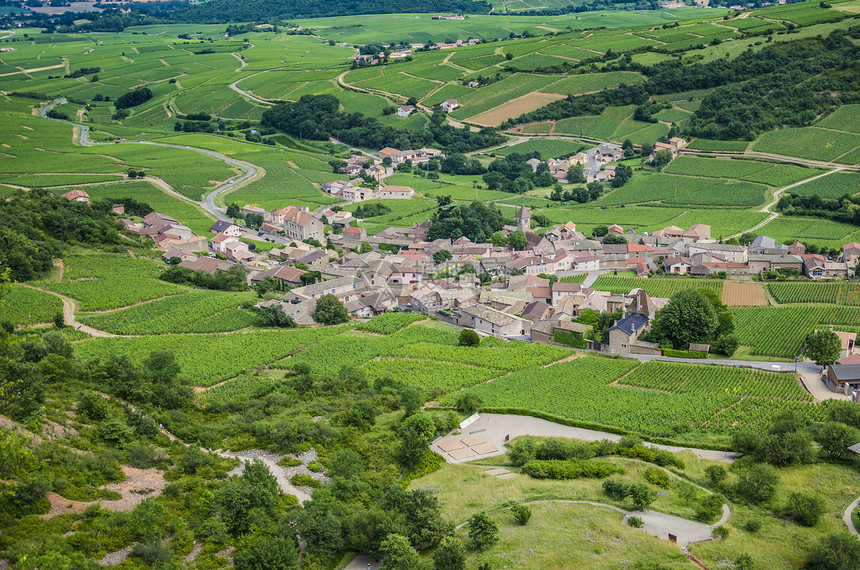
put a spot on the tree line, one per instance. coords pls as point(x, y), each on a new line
point(757, 91)
point(318, 117)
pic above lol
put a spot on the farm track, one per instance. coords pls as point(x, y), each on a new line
point(235, 86)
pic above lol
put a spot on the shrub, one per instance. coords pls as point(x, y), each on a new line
point(483, 531)
point(806, 508)
point(635, 522)
point(571, 469)
point(836, 551)
point(469, 337)
point(616, 489)
point(758, 483)
point(657, 477)
point(710, 508)
point(304, 480)
point(522, 514)
point(469, 402)
point(93, 406)
point(752, 525)
point(744, 562)
point(716, 473)
point(641, 495)
point(449, 555)
point(152, 554)
point(194, 459)
point(720, 532)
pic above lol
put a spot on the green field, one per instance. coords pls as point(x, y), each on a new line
point(108, 281)
point(192, 312)
point(780, 331)
point(840, 293)
point(581, 390)
point(25, 306)
point(808, 142)
point(548, 148)
point(655, 286)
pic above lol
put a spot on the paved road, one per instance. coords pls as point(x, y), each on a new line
point(778, 157)
point(493, 428)
point(846, 516)
point(776, 195)
point(243, 93)
point(655, 523)
point(250, 170)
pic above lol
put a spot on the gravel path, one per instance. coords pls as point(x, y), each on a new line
point(493, 428)
point(271, 461)
point(846, 516)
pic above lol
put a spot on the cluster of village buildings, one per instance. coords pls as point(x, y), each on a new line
point(491, 289)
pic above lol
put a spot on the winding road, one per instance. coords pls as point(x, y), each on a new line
point(235, 87)
point(250, 171)
point(773, 215)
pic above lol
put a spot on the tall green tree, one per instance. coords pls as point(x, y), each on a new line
point(823, 347)
point(688, 317)
point(330, 311)
point(416, 433)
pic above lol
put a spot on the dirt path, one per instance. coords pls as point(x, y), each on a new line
point(69, 309)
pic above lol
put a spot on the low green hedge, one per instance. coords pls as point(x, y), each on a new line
point(684, 353)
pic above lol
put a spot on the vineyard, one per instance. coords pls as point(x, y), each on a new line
point(696, 378)
point(209, 358)
point(780, 331)
point(655, 286)
point(107, 281)
point(431, 355)
point(838, 293)
point(27, 306)
point(389, 323)
point(711, 399)
point(192, 312)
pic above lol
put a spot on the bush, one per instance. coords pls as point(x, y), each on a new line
point(521, 451)
point(483, 531)
point(716, 473)
point(449, 555)
point(758, 483)
point(570, 469)
point(151, 553)
point(616, 490)
point(92, 406)
point(469, 402)
point(752, 525)
point(836, 551)
point(635, 522)
point(720, 532)
point(522, 514)
point(304, 480)
point(469, 337)
point(657, 477)
point(710, 508)
point(642, 495)
point(267, 552)
point(805, 508)
point(194, 459)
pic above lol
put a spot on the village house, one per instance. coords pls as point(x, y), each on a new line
point(77, 196)
point(286, 276)
point(497, 323)
point(222, 227)
point(449, 105)
point(300, 225)
point(395, 192)
point(405, 110)
point(850, 253)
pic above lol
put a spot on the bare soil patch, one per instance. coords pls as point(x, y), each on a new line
point(744, 295)
point(515, 108)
